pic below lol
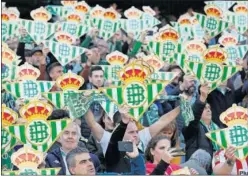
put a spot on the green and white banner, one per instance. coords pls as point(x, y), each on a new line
point(38, 134)
point(75, 29)
point(39, 30)
point(30, 171)
point(28, 88)
point(239, 20)
point(9, 29)
point(110, 72)
point(63, 52)
point(235, 52)
point(8, 141)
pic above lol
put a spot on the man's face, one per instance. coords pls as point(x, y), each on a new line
point(70, 137)
point(56, 72)
point(83, 165)
point(176, 79)
point(36, 57)
point(131, 133)
point(97, 78)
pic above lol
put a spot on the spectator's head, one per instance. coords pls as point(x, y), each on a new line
point(55, 70)
point(109, 124)
point(170, 131)
point(96, 76)
point(190, 84)
point(70, 137)
point(207, 114)
point(176, 69)
point(102, 46)
point(156, 147)
point(79, 162)
point(202, 157)
point(131, 133)
point(58, 114)
point(36, 56)
point(12, 43)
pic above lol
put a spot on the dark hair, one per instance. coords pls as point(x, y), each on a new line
point(173, 126)
point(151, 145)
point(52, 65)
point(95, 68)
point(174, 66)
point(58, 114)
point(70, 157)
point(116, 119)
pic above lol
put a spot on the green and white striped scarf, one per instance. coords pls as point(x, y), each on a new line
point(212, 127)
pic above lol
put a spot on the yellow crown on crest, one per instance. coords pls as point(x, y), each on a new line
point(184, 20)
point(240, 8)
point(213, 10)
point(8, 55)
point(28, 72)
point(5, 15)
point(27, 157)
point(64, 37)
point(74, 17)
point(82, 7)
point(70, 81)
point(13, 13)
point(9, 116)
point(228, 40)
point(136, 71)
point(111, 14)
point(117, 58)
point(154, 61)
point(168, 33)
point(215, 54)
point(235, 115)
point(41, 14)
point(69, 2)
point(149, 10)
point(133, 13)
point(195, 46)
point(36, 110)
point(97, 12)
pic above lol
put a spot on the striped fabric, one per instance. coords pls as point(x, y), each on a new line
point(39, 31)
point(185, 32)
point(235, 136)
point(75, 29)
point(240, 21)
point(107, 28)
point(9, 29)
point(110, 72)
point(152, 92)
point(57, 10)
point(212, 73)
point(198, 31)
point(56, 127)
point(211, 25)
point(165, 49)
point(163, 76)
point(235, 52)
point(51, 171)
point(149, 21)
point(28, 88)
point(110, 108)
point(63, 52)
point(8, 141)
point(9, 71)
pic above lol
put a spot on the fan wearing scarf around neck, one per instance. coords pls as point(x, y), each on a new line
point(194, 133)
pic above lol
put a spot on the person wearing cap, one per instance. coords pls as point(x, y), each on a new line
point(200, 160)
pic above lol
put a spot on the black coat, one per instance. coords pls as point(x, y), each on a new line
point(220, 103)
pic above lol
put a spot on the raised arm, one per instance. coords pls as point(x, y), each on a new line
point(164, 121)
point(95, 127)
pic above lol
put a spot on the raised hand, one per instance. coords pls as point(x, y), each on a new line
point(204, 90)
point(135, 152)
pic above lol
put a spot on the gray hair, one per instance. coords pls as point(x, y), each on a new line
point(70, 157)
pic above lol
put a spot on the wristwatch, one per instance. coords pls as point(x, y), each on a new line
point(229, 162)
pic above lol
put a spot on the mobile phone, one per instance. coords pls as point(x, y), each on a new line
point(125, 146)
point(150, 33)
point(178, 152)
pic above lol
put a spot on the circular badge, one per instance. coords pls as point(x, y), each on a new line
point(194, 58)
point(211, 24)
point(64, 50)
point(238, 136)
point(242, 20)
point(6, 138)
point(38, 132)
point(135, 94)
point(232, 54)
point(39, 28)
point(212, 72)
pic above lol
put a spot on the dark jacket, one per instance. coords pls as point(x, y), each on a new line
point(94, 147)
point(194, 134)
point(220, 103)
point(55, 159)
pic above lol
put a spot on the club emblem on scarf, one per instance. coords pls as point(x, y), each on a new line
point(28, 160)
point(38, 133)
point(236, 134)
